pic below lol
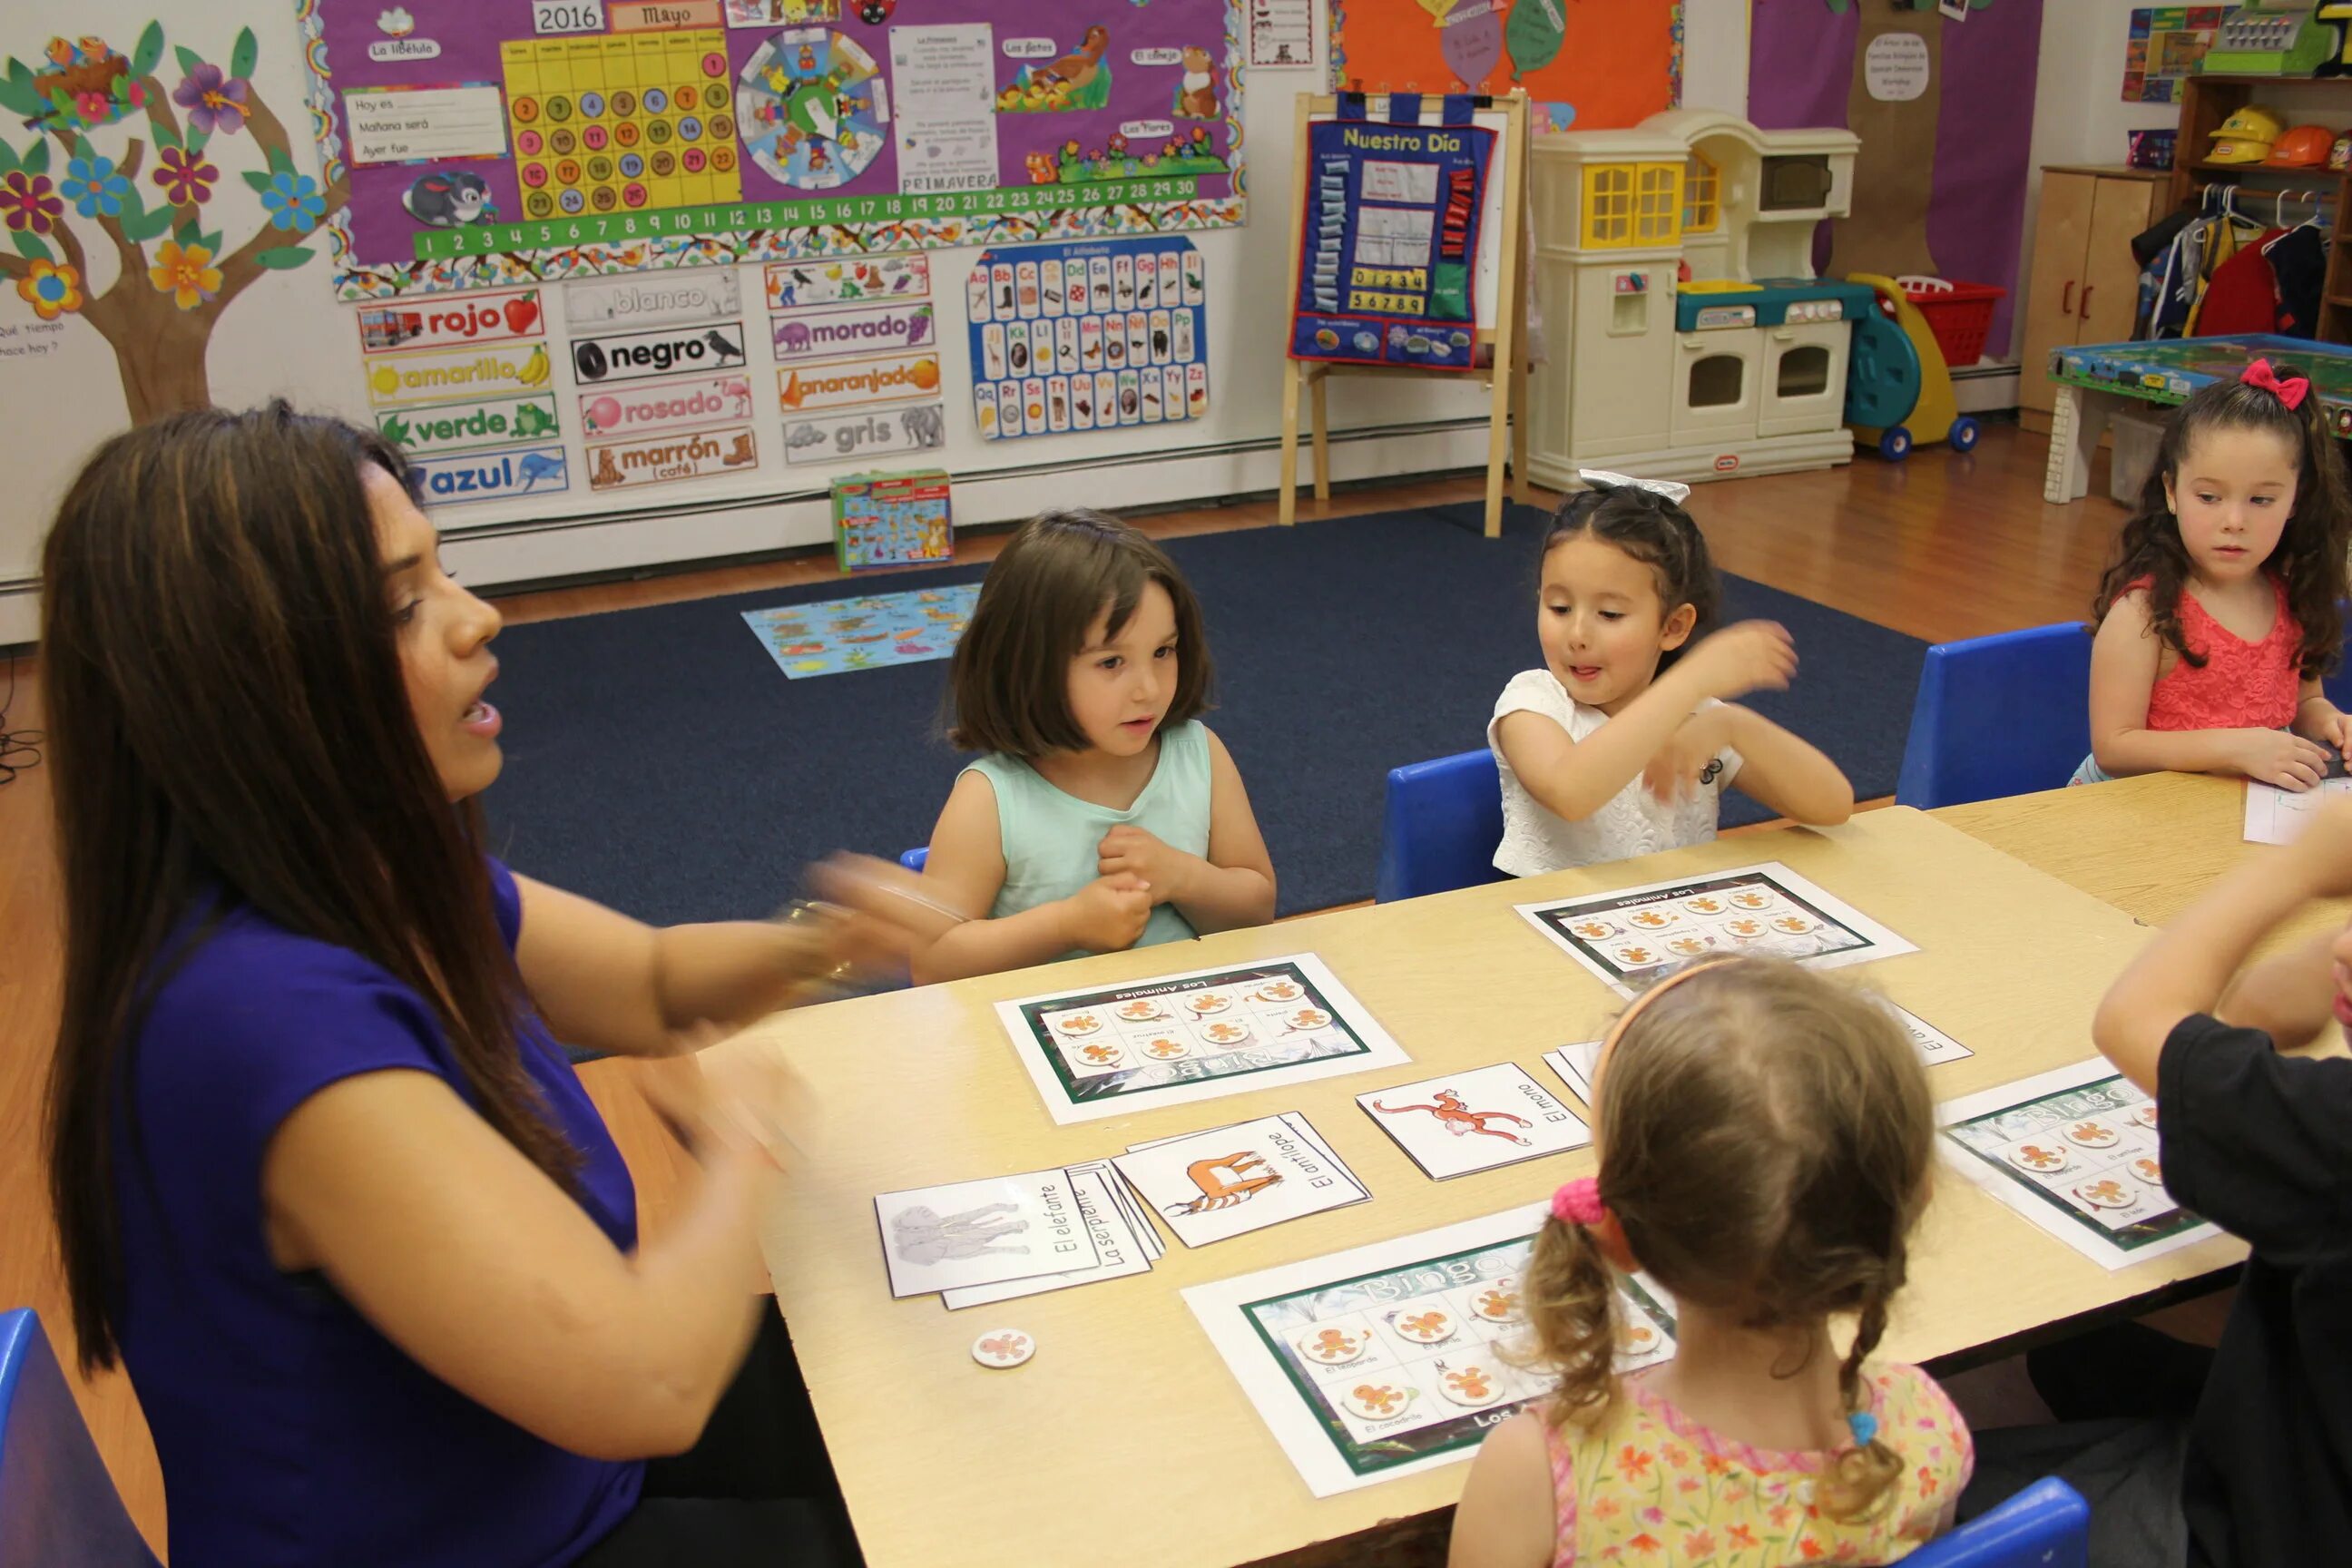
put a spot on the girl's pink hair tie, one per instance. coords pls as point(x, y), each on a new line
point(1579, 1202)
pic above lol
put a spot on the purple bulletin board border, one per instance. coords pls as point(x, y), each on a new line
point(1141, 213)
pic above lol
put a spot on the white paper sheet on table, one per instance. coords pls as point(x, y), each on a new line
point(2274, 815)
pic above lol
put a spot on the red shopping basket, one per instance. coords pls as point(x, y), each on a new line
point(1959, 314)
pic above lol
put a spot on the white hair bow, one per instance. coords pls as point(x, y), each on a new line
point(1602, 479)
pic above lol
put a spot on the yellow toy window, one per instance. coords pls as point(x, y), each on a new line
point(1702, 195)
point(1657, 211)
point(1609, 204)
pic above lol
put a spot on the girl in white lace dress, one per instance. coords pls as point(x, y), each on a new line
point(1623, 744)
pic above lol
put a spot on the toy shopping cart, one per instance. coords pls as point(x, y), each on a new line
point(1899, 390)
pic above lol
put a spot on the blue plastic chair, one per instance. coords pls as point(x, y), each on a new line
point(1443, 820)
point(2047, 1525)
point(913, 860)
point(1998, 715)
point(58, 1507)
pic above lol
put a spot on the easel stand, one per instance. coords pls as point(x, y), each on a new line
point(1504, 369)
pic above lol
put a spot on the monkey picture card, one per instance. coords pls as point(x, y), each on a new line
point(1207, 1186)
point(1466, 1121)
point(1119, 1249)
point(983, 1233)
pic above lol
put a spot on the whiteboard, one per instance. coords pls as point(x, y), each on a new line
point(1490, 220)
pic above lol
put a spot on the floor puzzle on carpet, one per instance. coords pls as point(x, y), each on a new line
point(864, 633)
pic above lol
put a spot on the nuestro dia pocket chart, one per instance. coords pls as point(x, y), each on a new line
point(1088, 336)
point(1388, 256)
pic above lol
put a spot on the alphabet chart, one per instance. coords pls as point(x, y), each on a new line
point(1089, 336)
point(2076, 1151)
point(1393, 1358)
point(1190, 1036)
point(1635, 936)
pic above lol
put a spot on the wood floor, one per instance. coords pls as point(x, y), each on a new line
point(1940, 547)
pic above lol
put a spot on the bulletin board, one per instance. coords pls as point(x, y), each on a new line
point(1586, 66)
point(488, 143)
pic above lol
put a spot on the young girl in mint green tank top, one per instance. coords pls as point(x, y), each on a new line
point(1103, 815)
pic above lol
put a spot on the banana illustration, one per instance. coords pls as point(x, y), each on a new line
point(534, 369)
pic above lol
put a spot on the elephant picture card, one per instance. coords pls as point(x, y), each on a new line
point(983, 1232)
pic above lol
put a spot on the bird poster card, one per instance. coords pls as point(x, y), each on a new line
point(1467, 1121)
point(1401, 1355)
point(1208, 1186)
point(1177, 1038)
point(983, 1232)
point(1120, 1250)
point(1634, 937)
point(2076, 1151)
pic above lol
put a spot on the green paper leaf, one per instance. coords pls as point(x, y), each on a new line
point(148, 50)
point(212, 242)
point(256, 178)
point(31, 244)
point(36, 162)
point(280, 162)
point(1534, 34)
point(149, 224)
point(74, 146)
point(243, 53)
point(186, 230)
point(9, 165)
point(189, 59)
point(195, 144)
point(283, 259)
point(20, 97)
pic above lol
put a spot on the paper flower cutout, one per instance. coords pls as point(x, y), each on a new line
point(184, 272)
point(51, 289)
point(215, 100)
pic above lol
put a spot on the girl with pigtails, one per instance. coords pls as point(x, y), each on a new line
point(1764, 1137)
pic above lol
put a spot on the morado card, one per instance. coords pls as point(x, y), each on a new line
point(1475, 1121)
point(1176, 1039)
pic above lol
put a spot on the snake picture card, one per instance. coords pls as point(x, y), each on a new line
point(2076, 1151)
point(983, 1232)
point(1461, 1123)
point(1401, 1355)
point(1176, 1039)
point(1634, 937)
point(1119, 1252)
point(1209, 1186)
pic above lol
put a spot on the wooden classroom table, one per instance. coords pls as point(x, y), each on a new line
point(1127, 1434)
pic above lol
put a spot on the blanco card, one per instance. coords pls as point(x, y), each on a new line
point(1574, 1065)
point(1389, 1359)
point(1117, 1251)
point(2274, 815)
point(1635, 936)
point(2076, 1151)
point(1178, 1039)
point(1211, 1185)
point(1461, 1123)
point(981, 1233)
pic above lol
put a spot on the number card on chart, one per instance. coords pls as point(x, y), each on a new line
point(2076, 1151)
point(1387, 1359)
point(1178, 1039)
point(1636, 936)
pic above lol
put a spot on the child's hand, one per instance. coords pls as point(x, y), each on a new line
point(2325, 724)
point(1130, 850)
point(2323, 851)
point(2275, 757)
point(1108, 913)
point(1672, 775)
point(1754, 656)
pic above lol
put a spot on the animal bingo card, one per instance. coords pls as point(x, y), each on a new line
point(1092, 336)
point(1194, 1036)
point(1211, 1185)
point(1475, 1121)
point(2076, 1151)
point(1635, 936)
point(1390, 1359)
point(983, 1232)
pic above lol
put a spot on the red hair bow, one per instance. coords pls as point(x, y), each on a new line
point(2289, 390)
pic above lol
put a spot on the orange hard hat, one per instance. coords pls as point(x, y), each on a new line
point(2303, 147)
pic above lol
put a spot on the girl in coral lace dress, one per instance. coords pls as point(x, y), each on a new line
point(2219, 614)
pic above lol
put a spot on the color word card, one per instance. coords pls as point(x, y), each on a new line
point(1195, 1035)
point(2076, 1151)
point(1636, 936)
point(1088, 336)
point(622, 122)
point(1390, 1359)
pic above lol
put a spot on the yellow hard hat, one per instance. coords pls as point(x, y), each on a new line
point(2251, 123)
point(2238, 150)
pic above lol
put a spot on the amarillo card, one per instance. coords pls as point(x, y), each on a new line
point(983, 1233)
point(1211, 1185)
point(1475, 1121)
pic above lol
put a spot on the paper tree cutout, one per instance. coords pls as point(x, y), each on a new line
point(174, 275)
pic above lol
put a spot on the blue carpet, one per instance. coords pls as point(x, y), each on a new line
point(657, 762)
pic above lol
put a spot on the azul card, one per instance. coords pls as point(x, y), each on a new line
point(1115, 1247)
point(2076, 1151)
point(1636, 936)
point(983, 1233)
point(1395, 1357)
point(1211, 1185)
point(1179, 1038)
point(1475, 1121)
